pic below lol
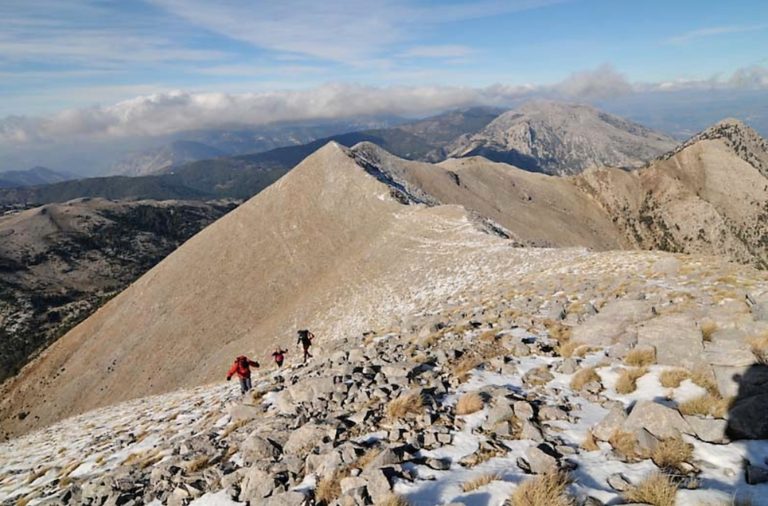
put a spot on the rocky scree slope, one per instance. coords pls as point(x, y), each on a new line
point(60, 262)
point(562, 139)
point(611, 370)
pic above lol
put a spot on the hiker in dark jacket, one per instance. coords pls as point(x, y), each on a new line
point(305, 339)
point(279, 356)
point(242, 367)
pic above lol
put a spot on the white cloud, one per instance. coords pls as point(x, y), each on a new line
point(173, 111)
point(602, 82)
point(713, 31)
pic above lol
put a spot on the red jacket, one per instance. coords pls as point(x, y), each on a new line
point(242, 367)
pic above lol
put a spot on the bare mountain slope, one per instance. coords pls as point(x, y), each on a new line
point(59, 262)
point(326, 237)
point(555, 138)
point(710, 196)
point(536, 209)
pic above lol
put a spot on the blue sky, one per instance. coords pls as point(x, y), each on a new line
point(90, 66)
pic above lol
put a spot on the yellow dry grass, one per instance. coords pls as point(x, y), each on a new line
point(409, 403)
point(706, 405)
point(367, 457)
point(328, 489)
point(672, 378)
point(196, 464)
point(590, 443)
point(670, 453)
point(583, 377)
point(394, 500)
point(704, 377)
point(708, 327)
point(479, 481)
point(233, 426)
point(549, 489)
point(640, 357)
point(625, 445)
point(627, 381)
point(656, 490)
point(759, 346)
point(464, 366)
point(569, 349)
point(469, 403)
point(557, 331)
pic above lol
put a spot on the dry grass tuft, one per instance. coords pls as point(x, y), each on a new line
point(627, 382)
point(544, 490)
point(590, 443)
point(672, 378)
point(640, 357)
point(706, 405)
point(197, 464)
point(656, 490)
point(583, 377)
point(409, 403)
point(232, 427)
point(759, 347)
point(394, 500)
point(367, 457)
point(670, 453)
point(464, 366)
point(329, 488)
point(708, 327)
point(469, 403)
point(569, 349)
point(479, 481)
point(625, 445)
point(704, 377)
point(557, 331)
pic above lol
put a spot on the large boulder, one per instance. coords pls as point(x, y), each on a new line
point(677, 339)
point(612, 422)
point(256, 485)
point(709, 430)
point(306, 437)
point(659, 420)
point(285, 499)
point(615, 319)
point(257, 448)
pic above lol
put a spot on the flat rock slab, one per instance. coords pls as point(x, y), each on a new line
point(659, 420)
point(677, 339)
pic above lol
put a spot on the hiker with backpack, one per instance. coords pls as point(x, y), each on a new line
point(305, 339)
point(279, 356)
point(242, 367)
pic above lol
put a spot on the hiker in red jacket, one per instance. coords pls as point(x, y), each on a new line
point(279, 356)
point(242, 367)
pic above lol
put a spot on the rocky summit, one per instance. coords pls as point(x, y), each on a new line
point(557, 138)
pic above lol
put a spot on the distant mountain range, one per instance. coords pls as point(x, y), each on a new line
point(589, 137)
point(197, 145)
point(31, 177)
point(159, 160)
